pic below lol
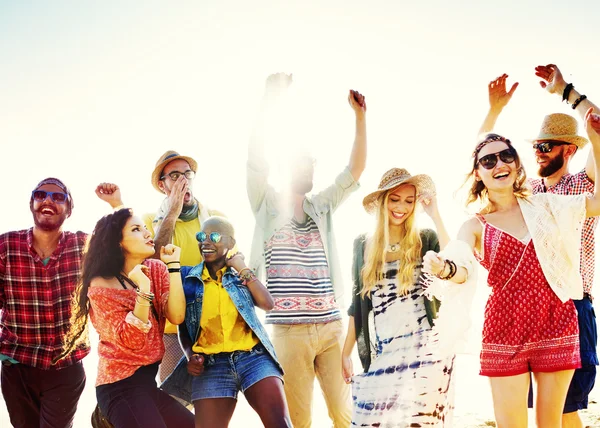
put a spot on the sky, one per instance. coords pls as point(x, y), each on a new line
point(97, 91)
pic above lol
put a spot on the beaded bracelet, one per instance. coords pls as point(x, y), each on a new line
point(142, 304)
point(440, 273)
point(240, 273)
point(249, 280)
point(149, 296)
point(452, 270)
point(577, 101)
point(567, 92)
point(247, 276)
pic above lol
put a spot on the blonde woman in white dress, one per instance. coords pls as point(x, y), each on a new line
point(407, 382)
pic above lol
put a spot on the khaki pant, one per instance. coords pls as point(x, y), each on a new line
point(306, 350)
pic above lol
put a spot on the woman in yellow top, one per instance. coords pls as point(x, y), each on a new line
point(226, 346)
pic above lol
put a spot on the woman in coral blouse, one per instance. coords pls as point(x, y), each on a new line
point(128, 298)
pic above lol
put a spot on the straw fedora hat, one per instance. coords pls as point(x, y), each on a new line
point(394, 178)
point(561, 127)
point(167, 157)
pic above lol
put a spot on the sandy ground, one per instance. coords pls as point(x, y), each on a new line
point(473, 402)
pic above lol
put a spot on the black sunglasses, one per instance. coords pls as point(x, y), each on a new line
point(213, 236)
point(547, 146)
point(41, 195)
point(489, 161)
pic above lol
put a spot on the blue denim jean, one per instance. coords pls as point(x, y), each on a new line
point(229, 372)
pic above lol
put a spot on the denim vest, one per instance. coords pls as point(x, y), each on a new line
point(179, 383)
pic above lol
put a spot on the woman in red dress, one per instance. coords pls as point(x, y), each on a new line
point(524, 241)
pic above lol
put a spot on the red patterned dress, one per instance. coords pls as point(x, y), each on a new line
point(526, 326)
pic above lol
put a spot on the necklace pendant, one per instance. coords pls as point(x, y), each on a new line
point(392, 248)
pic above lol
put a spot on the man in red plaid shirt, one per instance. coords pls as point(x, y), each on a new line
point(554, 147)
point(39, 269)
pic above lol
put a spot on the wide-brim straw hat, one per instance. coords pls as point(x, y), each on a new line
point(166, 158)
point(561, 127)
point(396, 177)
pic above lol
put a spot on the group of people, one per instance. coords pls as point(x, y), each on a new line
point(173, 299)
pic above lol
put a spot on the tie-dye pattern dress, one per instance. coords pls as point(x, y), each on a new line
point(408, 384)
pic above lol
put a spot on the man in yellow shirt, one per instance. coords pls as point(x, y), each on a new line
point(177, 221)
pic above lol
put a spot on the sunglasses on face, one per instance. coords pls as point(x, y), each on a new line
point(490, 161)
point(189, 174)
point(547, 146)
point(41, 195)
point(213, 236)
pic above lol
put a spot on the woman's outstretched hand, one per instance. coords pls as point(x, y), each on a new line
point(433, 263)
point(498, 95)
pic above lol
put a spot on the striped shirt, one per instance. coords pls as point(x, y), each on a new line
point(576, 184)
point(298, 276)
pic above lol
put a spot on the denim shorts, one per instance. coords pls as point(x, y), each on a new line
point(229, 372)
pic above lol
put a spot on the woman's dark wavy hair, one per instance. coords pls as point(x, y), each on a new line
point(477, 190)
point(103, 257)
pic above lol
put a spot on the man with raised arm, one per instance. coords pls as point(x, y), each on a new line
point(294, 248)
point(39, 271)
point(177, 221)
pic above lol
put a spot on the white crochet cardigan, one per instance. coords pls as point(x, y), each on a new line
point(555, 223)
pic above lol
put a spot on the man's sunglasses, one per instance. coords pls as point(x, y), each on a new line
point(213, 236)
point(489, 161)
point(41, 195)
point(189, 174)
point(547, 146)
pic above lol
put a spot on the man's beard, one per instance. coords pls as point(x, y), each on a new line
point(49, 225)
point(552, 166)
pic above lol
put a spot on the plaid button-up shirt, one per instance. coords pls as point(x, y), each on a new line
point(576, 184)
point(35, 300)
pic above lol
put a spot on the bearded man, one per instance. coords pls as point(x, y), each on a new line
point(39, 271)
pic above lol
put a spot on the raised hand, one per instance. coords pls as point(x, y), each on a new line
point(552, 78)
point(139, 275)
point(176, 195)
point(498, 96)
point(195, 365)
point(277, 83)
point(236, 261)
point(433, 263)
point(110, 193)
point(170, 253)
point(357, 101)
point(592, 125)
point(430, 205)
